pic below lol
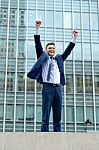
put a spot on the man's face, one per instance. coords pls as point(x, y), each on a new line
point(50, 50)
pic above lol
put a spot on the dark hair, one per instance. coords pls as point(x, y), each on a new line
point(50, 43)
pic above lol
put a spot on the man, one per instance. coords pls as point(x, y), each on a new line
point(49, 71)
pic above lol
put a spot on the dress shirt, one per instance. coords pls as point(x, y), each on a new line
point(54, 75)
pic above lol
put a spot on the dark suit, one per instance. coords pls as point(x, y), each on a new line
point(51, 94)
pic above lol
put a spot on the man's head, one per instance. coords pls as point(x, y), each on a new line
point(50, 49)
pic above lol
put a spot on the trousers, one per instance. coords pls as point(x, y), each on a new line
point(51, 98)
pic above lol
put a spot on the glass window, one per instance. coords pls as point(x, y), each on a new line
point(77, 20)
point(49, 19)
point(97, 114)
point(10, 81)
point(67, 20)
point(67, 5)
point(69, 83)
point(58, 19)
point(31, 18)
point(94, 20)
point(89, 113)
point(88, 83)
point(85, 20)
point(79, 84)
point(94, 6)
point(85, 5)
point(21, 48)
point(95, 52)
point(2, 81)
point(1, 111)
point(97, 84)
point(9, 112)
point(77, 51)
point(50, 5)
point(76, 5)
point(19, 112)
point(21, 82)
point(58, 5)
point(38, 113)
point(41, 4)
point(79, 114)
point(59, 47)
point(31, 49)
point(87, 52)
point(30, 85)
point(29, 112)
point(70, 114)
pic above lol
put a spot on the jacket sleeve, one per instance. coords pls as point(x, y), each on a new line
point(67, 51)
point(38, 46)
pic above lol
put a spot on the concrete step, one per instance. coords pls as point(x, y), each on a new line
point(49, 141)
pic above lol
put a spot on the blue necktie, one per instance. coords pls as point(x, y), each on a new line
point(51, 65)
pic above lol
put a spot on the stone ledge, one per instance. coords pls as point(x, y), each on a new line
point(49, 141)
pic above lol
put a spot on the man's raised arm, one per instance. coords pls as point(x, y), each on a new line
point(38, 46)
point(70, 46)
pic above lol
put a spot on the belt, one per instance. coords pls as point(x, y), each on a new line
point(51, 84)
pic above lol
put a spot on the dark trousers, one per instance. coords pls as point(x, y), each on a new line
point(51, 97)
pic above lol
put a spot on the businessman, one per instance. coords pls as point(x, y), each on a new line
point(49, 71)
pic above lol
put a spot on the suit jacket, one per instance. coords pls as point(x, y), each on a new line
point(42, 56)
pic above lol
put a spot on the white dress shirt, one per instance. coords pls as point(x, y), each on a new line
point(55, 74)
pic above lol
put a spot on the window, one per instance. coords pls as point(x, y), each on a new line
point(79, 84)
point(9, 112)
point(94, 20)
point(87, 52)
point(80, 114)
point(70, 114)
point(21, 82)
point(1, 111)
point(49, 22)
point(85, 21)
point(69, 84)
point(89, 113)
point(19, 112)
point(67, 20)
point(58, 19)
point(88, 84)
point(97, 84)
point(77, 21)
point(77, 51)
point(29, 112)
point(97, 114)
point(95, 52)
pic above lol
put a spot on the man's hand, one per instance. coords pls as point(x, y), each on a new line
point(37, 24)
point(75, 34)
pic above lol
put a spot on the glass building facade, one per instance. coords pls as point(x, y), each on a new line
point(20, 97)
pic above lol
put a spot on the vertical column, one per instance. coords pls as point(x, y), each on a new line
point(92, 65)
point(35, 85)
point(74, 74)
point(45, 22)
point(6, 67)
point(83, 61)
point(26, 66)
point(64, 64)
point(54, 23)
point(16, 65)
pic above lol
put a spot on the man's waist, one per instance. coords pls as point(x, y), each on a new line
point(51, 84)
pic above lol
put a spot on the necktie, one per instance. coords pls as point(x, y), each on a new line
point(51, 67)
